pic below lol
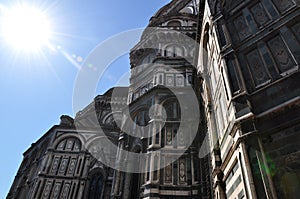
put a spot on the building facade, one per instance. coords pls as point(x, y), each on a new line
point(212, 111)
point(249, 63)
point(70, 160)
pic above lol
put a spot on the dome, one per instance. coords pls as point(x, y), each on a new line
point(173, 8)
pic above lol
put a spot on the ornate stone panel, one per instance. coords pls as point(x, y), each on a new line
point(63, 166)
point(182, 171)
point(72, 166)
point(56, 190)
point(242, 27)
point(257, 68)
point(259, 14)
point(61, 145)
point(169, 137)
point(179, 80)
point(55, 165)
point(47, 190)
point(168, 173)
point(69, 145)
point(281, 54)
point(65, 191)
point(283, 5)
point(76, 146)
point(169, 80)
point(181, 138)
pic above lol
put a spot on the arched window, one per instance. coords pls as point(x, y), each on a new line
point(174, 24)
point(96, 186)
point(172, 110)
point(170, 130)
point(205, 45)
point(69, 144)
point(174, 51)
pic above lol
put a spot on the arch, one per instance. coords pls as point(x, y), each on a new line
point(172, 108)
point(70, 143)
point(112, 119)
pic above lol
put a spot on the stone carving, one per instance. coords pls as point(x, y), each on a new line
point(181, 139)
point(283, 5)
point(281, 54)
point(69, 144)
point(170, 80)
point(47, 190)
point(66, 121)
point(257, 67)
point(182, 171)
point(242, 27)
point(63, 165)
point(65, 191)
point(76, 146)
point(179, 80)
point(55, 165)
point(72, 166)
point(169, 136)
point(61, 145)
point(168, 173)
point(259, 14)
point(56, 190)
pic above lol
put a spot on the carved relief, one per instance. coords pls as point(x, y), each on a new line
point(179, 80)
point(70, 143)
point(61, 145)
point(182, 176)
point(76, 146)
point(168, 173)
point(181, 139)
point(47, 190)
point(169, 136)
point(257, 67)
point(55, 165)
point(283, 5)
point(242, 27)
point(72, 166)
point(281, 54)
point(169, 80)
point(65, 191)
point(56, 190)
point(260, 14)
point(63, 165)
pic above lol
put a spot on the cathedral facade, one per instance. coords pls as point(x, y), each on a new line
point(212, 111)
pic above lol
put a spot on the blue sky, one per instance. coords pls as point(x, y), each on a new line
point(36, 89)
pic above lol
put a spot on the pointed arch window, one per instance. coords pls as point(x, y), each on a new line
point(96, 186)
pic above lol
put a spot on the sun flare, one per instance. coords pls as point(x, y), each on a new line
point(25, 28)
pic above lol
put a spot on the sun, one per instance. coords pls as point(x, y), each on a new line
point(25, 28)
